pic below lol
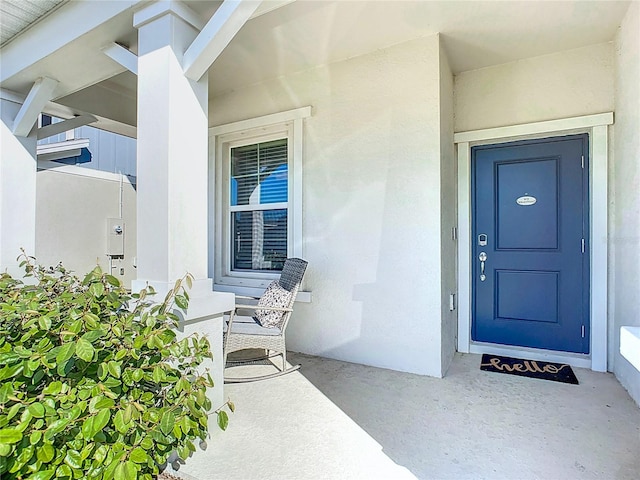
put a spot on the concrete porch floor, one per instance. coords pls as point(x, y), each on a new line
point(337, 420)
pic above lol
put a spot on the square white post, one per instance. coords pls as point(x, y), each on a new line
point(172, 199)
point(17, 191)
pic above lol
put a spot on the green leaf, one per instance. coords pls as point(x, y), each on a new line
point(44, 323)
point(92, 336)
point(147, 443)
point(158, 374)
point(64, 471)
point(5, 391)
point(45, 453)
point(119, 423)
point(53, 388)
point(96, 289)
point(35, 437)
point(138, 455)
point(10, 435)
point(92, 425)
point(167, 421)
point(5, 450)
point(232, 406)
point(55, 428)
point(127, 377)
point(114, 369)
point(73, 459)
point(126, 471)
point(13, 411)
point(181, 301)
point(84, 350)
point(37, 410)
point(223, 420)
point(42, 475)
point(112, 280)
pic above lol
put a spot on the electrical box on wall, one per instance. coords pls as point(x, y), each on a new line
point(115, 237)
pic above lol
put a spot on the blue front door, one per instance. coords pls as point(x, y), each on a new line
point(530, 244)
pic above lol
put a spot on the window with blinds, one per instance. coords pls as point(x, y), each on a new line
point(258, 206)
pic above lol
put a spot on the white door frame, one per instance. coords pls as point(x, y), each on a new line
point(596, 126)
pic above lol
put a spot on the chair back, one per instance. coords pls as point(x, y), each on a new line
point(292, 274)
point(291, 280)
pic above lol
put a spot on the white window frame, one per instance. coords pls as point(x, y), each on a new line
point(222, 138)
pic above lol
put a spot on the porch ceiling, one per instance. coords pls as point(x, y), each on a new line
point(305, 33)
point(18, 15)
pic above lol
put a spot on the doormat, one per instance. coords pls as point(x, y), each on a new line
point(556, 372)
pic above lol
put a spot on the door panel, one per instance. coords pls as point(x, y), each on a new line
point(529, 199)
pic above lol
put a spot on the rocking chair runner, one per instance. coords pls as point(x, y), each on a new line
point(265, 329)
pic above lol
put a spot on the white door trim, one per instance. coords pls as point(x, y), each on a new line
point(597, 128)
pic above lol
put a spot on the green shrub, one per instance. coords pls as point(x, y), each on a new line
point(93, 381)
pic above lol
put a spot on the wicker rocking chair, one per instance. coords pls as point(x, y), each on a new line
point(265, 328)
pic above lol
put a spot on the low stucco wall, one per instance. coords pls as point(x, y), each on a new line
point(72, 207)
point(372, 204)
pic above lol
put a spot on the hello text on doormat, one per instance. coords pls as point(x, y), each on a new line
point(556, 372)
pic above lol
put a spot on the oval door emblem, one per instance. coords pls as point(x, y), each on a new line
point(526, 200)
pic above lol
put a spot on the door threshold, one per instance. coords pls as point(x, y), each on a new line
point(578, 360)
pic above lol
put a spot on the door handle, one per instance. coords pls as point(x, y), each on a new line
point(483, 258)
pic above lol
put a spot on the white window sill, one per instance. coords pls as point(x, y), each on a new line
point(303, 297)
point(630, 345)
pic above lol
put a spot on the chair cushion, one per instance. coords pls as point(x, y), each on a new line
point(248, 326)
point(274, 296)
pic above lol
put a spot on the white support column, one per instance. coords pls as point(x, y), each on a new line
point(17, 191)
point(172, 172)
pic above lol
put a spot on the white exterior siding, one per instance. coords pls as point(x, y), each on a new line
point(110, 152)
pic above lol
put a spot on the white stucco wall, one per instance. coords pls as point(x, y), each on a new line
point(71, 220)
point(565, 84)
point(448, 198)
point(372, 196)
point(624, 240)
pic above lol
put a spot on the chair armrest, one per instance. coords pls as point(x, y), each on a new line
point(256, 307)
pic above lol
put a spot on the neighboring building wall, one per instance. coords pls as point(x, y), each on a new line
point(448, 199)
point(110, 152)
point(565, 84)
point(372, 204)
point(624, 240)
point(72, 207)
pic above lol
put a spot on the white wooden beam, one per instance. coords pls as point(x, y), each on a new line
point(216, 35)
point(65, 126)
point(123, 56)
point(40, 94)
